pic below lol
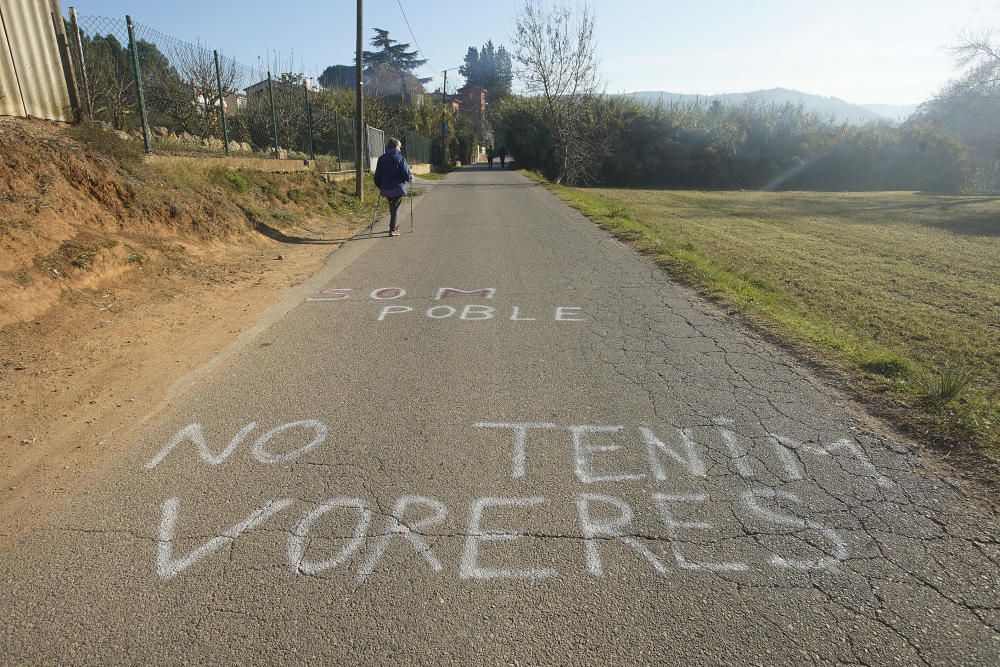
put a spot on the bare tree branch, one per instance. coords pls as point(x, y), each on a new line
point(556, 54)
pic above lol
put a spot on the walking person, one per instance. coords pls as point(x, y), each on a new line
point(392, 177)
point(503, 157)
point(490, 154)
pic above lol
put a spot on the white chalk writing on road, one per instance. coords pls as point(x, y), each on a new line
point(670, 453)
point(466, 312)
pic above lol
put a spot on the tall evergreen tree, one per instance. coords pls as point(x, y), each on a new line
point(392, 53)
point(393, 58)
point(489, 68)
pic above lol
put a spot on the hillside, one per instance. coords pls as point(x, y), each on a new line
point(80, 207)
point(827, 107)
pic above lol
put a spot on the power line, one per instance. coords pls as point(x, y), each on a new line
point(412, 36)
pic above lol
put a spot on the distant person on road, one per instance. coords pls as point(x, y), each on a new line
point(490, 154)
point(393, 176)
point(503, 157)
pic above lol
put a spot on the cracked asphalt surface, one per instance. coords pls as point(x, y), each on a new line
point(593, 466)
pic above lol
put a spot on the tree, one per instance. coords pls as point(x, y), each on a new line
point(556, 53)
point(182, 92)
point(969, 106)
point(389, 82)
point(112, 81)
point(490, 68)
point(339, 76)
point(979, 53)
point(394, 57)
point(392, 53)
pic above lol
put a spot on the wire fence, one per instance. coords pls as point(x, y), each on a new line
point(183, 98)
point(416, 147)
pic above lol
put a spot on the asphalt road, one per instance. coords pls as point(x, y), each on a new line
point(572, 461)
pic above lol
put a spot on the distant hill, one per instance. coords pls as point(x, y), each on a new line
point(824, 106)
point(898, 112)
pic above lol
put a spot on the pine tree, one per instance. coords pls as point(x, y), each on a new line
point(489, 68)
point(392, 53)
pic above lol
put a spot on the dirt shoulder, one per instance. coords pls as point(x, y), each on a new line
point(77, 380)
point(117, 279)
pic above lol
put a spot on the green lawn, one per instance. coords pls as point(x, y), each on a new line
point(898, 290)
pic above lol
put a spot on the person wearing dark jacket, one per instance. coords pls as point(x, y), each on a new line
point(392, 177)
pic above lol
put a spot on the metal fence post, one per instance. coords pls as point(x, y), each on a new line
point(340, 165)
point(274, 114)
point(222, 104)
point(83, 62)
point(309, 121)
point(138, 82)
point(68, 67)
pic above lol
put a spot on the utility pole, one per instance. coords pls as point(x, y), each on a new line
point(359, 186)
point(444, 121)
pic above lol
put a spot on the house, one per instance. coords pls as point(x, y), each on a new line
point(285, 81)
point(234, 102)
point(472, 100)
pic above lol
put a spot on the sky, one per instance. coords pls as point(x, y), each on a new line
point(862, 51)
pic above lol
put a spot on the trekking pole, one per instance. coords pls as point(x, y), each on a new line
point(371, 225)
point(411, 212)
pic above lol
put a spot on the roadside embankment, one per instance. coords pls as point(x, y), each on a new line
point(118, 278)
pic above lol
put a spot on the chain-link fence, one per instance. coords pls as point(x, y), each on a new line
point(374, 145)
point(416, 147)
point(193, 100)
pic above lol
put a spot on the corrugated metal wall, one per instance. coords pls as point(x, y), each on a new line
point(10, 93)
point(31, 52)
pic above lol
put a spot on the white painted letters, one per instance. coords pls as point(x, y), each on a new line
point(569, 314)
point(605, 521)
point(470, 568)
point(838, 551)
point(393, 310)
point(690, 460)
point(388, 293)
point(593, 531)
point(298, 541)
point(583, 448)
point(739, 454)
point(445, 292)
point(261, 453)
point(516, 316)
point(194, 433)
point(662, 503)
point(475, 312)
point(331, 294)
point(520, 441)
point(168, 567)
point(398, 525)
point(436, 312)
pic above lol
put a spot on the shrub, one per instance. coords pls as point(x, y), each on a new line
point(944, 384)
point(236, 180)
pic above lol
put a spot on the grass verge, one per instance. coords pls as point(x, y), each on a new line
point(434, 175)
point(898, 293)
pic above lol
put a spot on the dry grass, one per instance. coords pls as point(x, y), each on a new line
point(898, 291)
